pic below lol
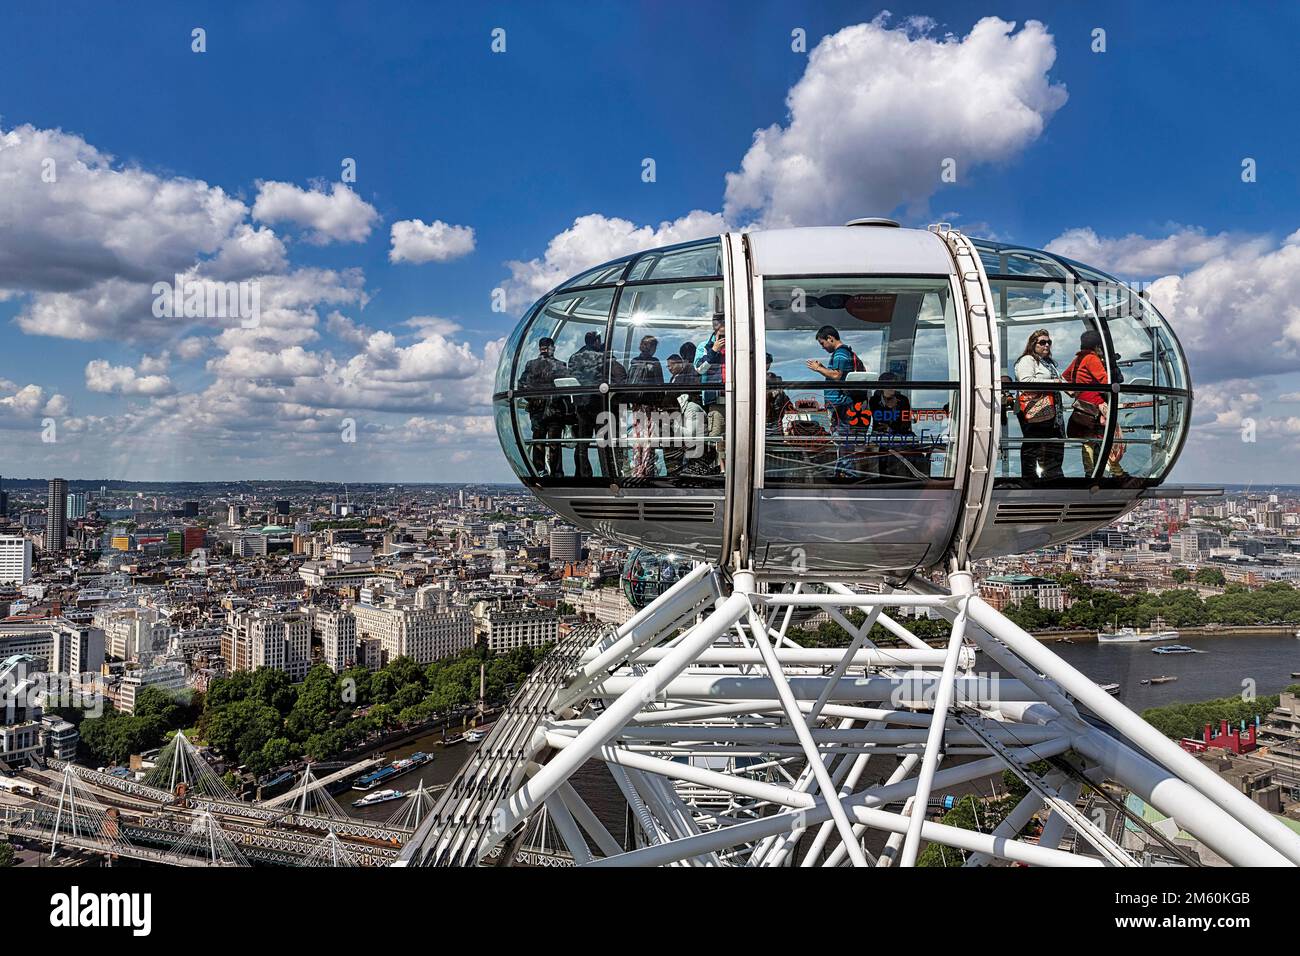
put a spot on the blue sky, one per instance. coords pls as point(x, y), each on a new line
point(1142, 145)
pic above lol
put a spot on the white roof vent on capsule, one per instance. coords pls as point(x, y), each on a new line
point(873, 221)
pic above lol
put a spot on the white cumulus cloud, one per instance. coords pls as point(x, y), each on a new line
point(416, 242)
point(288, 363)
point(73, 218)
point(248, 252)
point(124, 380)
point(1238, 314)
point(339, 215)
point(878, 110)
point(594, 238)
point(1138, 256)
point(19, 406)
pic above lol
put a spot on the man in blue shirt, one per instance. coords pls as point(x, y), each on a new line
point(839, 401)
point(710, 367)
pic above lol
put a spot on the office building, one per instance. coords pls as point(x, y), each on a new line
point(62, 646)
point(59, 737)
point(422, 634)
point(1189, 543)
point(20, 716)
point(133, 634)
point(263, 637)
point(504, 625)
point(1004, 590)
point(565, 545)
point(171, 678)
point(338, 635)
point(248, 545)
point(192, 538)
point(15, 560)
point(56, 515)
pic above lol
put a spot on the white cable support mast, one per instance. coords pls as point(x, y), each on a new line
point(180, 763)
point(207, 841)
point(735, 746)
point(75, 813)
point(330, 852)
point(313, 799)
point(413, 810)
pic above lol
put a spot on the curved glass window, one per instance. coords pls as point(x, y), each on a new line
point(563, 437)
point(1143, 348)
point(698, 260)
point(668, 375)
point(1148, 433)
point(572, 321)
point(674, 314)
point(505, 365)
point(506, 433)
point(604, 274)
point(1056, 433)
point(862, 382)
point(1041, 326)
point(1003, 260)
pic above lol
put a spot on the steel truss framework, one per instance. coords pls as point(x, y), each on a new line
point(734, 746)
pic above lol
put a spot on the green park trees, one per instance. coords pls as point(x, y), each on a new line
point(261, 720)
point(1189, 720)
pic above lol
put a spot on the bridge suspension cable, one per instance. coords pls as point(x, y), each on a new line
point(181, 763)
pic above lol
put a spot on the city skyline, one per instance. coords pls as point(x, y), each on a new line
point(376, 340)
point(279, 628)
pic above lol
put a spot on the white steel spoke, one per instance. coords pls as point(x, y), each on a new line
point(732, 744)
point(934, 742)
point(797, 721)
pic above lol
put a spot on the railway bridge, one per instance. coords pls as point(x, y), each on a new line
point(95, 812)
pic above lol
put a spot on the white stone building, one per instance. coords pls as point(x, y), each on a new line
point(504, 626)
point(422, 634)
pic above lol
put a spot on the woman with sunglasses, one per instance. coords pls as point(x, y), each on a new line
point(1042, 449)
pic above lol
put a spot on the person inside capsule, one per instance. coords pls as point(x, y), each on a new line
point(842, 404)
point(685, 446)
point(647, 410)
point(547, 414)
point(778, 402)
point(1088, 417)
point(1041, 451)
point(587, 365)
point(712, 368)
point(891, 432)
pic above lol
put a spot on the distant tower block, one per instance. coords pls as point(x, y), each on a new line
point(56, 515)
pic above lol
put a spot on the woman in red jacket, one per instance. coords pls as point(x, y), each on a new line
point(1088, 419)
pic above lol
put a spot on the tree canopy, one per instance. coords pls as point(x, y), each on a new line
point(261, 720)
point(1189, 719)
